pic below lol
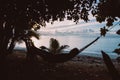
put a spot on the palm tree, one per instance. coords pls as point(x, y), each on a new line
point(20, 35)
point(54, 47)
point(26, 37)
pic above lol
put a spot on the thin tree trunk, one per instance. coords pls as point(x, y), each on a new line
point(4, 45)
point(30, 54)
point(11, 47)
point(111, 68)
point(27, 46)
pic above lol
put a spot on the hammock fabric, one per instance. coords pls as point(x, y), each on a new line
point(58, 58)
point(55, 58)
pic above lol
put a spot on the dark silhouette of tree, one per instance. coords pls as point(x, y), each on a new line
point(17, 17)
point(107, 10)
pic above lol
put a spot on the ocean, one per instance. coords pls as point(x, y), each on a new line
point(79, 40)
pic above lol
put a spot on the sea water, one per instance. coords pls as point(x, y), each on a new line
point(107, 43)
point(78, 36)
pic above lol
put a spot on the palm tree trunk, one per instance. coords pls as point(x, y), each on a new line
point(111, 68)
point(30, 52)
point(27, 46)
point(4, 45)
point(11, 47)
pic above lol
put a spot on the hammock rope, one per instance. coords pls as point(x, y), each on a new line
point(96, 39)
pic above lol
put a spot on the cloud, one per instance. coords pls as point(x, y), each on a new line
point(69, 27)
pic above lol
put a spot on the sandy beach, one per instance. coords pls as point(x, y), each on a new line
point(79, 68)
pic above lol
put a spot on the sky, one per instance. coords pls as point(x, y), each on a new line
point(71, 27)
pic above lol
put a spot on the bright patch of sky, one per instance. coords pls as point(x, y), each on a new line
point(67, 26)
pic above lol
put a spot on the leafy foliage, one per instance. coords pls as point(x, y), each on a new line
point(54, 47)
point(107, 10)
point(18, 17)
point(118, 32)
point(117, 51)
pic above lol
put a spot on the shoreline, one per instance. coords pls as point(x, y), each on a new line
point(77, 58)
point(84, 53)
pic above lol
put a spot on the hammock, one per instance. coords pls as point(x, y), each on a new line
point(58, 58)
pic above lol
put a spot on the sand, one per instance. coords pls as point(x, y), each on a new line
point(79, 68)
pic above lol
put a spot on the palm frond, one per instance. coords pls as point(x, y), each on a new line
point(54, 44)
point(117, 51)
point(54, 47)
point(118, 32)
point(61, 48)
